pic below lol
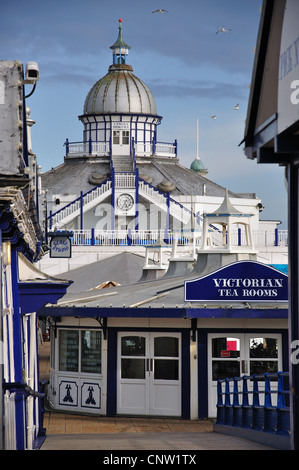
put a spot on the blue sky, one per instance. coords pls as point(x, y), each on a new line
point(192, 72)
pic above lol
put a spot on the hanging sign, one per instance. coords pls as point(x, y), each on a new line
point(60, 245)
point(243, 281)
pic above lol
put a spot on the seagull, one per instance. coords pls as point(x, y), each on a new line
point(160, 11)
point(236, 107)
point(223, 30)
point(213, 117)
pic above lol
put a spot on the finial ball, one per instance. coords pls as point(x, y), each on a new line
point(120, 20)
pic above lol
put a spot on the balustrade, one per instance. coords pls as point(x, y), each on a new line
point(258, 402)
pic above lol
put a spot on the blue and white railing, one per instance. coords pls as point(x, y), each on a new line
point(103, 149)
point(76, 149)
point(129, 237)
point(256, 402)
point(136, 237)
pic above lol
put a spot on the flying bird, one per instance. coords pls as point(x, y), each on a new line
point(236, 107)
point(223, 30)
point(160, 11)
point(213, 117)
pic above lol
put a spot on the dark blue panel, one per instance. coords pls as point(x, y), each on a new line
point(243, 281)
point(34, 295)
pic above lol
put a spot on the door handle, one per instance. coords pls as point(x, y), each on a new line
point(149, 365)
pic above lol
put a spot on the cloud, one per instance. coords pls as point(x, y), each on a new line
point(198, 89)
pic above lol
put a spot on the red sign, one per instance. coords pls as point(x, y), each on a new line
point(225, 353)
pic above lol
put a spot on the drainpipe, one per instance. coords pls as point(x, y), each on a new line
point(137, 197)
point(81, 211)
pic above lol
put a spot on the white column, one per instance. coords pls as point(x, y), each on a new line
point(193, 378)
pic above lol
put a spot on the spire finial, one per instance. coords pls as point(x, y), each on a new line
point(120, 48)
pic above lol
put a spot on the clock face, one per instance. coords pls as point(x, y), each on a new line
point(125, 202)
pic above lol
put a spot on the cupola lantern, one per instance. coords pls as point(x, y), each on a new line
point(120, 49)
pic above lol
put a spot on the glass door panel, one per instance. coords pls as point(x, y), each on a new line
point(166, 368)
point(132, 347)
point(241, 354)
point(225, 357)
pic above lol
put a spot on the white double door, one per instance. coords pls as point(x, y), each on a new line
point(121, 142)
point(149, 374)
point(235, 355)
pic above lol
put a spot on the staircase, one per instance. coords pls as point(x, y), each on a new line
point(122, 179)
point(123, 163)
point(83, 203)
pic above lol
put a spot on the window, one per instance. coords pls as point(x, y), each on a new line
point(80, 351)
point(116, 135)
point(263, 353)
point(69, 350)
point(225, 357)
point(126, 137)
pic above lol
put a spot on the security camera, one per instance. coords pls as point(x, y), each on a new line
point(32, 73)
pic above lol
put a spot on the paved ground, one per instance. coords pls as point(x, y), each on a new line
point(78, 432)
point(149, 441)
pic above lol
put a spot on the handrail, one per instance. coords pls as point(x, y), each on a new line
point(257, 408)
point(78, 199)
point(22, 387)
point(92, 147)
point(171, 200)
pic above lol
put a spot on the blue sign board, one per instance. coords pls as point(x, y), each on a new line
point(243, 281)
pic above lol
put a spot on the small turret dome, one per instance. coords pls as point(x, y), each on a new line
point(198, 166)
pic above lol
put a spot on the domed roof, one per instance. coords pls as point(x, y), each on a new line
point(198, 166)
point(120, 91)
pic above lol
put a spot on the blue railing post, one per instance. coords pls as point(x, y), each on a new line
point(90, 145)
point(92, 241)
point(258, 410)
point(270, 422)
point(283, 410)
point(239, 237)
point(129, 236)
point(132, 150)
point(176, 147)
point(228, 406)
point(113, 199)
point(81, 210)
point(50, 220)
point(110, 146)
point(154, 145)
point(246, 408)
point(136, 199)
point(268, 400)
point(237, 410)
point(66, 147)
point(220, 404)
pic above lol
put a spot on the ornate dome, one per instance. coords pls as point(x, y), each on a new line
point(198, 166)
point(120, 91)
